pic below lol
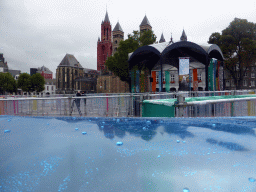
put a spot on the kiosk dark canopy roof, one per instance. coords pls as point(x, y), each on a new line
point(151, 54)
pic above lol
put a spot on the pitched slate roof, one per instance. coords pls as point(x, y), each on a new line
point(162, 39)
point(70, 61)
point(145, 21)
point(118, 27)
point(106, 18)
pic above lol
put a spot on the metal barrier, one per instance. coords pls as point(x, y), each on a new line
point(113, 105)
point(216, 108)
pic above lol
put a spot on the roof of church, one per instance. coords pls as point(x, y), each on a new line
point(118, 27)
point(145, 21)
point(162, 39)
point(70, 61)
point(106, 18)
point(183, 36)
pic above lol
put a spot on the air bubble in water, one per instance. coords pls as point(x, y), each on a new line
point(9, 119)
point(178, 141)
point(7, 131)
point(83, 133)
point(119, 143)
point(144, 128)
point(76, 129)
point(185, 190)
point(213, 125)
point(148, 122)
point(118, 120)
point(103, 122)
point(102, 126)
point(251, 179)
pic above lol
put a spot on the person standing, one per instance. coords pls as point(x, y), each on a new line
point(83, 94)
point(77, 101)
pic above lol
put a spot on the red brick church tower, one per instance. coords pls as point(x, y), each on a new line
point(104, 46)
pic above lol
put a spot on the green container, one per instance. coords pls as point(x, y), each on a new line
point(165, 107)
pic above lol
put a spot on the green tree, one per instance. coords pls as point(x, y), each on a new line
point(7, 83)
point(24, 82)
point(118, 63)
point(37, 82)
point(238, 44)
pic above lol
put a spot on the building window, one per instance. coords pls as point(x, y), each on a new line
point(252, 75)
point(157, 77)
point(232, 82)
point(115, 41)
point(163, 76)
point(227, 83)
point(105, 85)
point(253, 83)
point(47, 88)
point(199, 77)
point(52, 88)
point(245, 74)
point(172, 78)
point(238, 75)
point(244, 82)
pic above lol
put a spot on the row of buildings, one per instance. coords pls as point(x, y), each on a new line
point(71, 76)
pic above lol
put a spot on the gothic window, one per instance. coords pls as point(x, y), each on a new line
point(115, 41)
point(244, 82)
point(253, 83)
point(103, 50)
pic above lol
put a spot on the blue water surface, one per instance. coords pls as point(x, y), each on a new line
point(127, 154)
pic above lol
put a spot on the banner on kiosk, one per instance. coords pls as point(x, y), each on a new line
point(184, 73)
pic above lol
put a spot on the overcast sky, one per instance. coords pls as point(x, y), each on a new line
point(34, 33)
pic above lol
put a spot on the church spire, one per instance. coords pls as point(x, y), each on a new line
point(106, 17)
point(183, 36)
point(118, 27)
point(145, 25)
point(145, 21)
point(162, 39)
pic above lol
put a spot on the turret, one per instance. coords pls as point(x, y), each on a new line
point(183, 36)
point(118, 35)
point(145, 25)
point(162, 39)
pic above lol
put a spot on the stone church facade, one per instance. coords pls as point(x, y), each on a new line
point(71, 77)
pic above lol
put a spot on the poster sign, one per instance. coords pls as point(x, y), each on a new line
point(184, 73)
